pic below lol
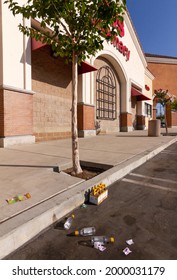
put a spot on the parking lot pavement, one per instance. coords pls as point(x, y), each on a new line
point(142, 206)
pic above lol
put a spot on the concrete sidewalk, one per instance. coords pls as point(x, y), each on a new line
point(31, 168)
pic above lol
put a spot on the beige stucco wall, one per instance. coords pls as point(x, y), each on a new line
point(15, 53)
point(1, 50)
point(149, 78)
point(131, 71)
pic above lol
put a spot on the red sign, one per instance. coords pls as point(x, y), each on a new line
point(120, 27)
point(116, 42)
point(122, 49)
point(147, 87)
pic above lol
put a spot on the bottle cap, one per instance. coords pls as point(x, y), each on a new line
point(112, 239)
point(76, 232)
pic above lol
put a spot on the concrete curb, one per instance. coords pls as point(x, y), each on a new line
point(28, 225)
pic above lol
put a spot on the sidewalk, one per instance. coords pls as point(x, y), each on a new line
point(33, 168)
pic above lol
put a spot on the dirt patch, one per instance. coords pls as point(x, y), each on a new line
point(87, 174)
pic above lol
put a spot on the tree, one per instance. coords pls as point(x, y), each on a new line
point(165, 99)
point(75, 29)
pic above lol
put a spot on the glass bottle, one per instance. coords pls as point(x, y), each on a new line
point(69, 222)
point(102, 239)
point(85, 231)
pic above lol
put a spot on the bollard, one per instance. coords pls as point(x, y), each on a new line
point(154, 128)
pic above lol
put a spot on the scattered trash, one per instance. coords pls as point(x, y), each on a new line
point(98, 194)
point(69, 222)
point(27, 195)
point(130, 242)
point(127, 251)
point(11, 200)
point(85, 231)
point(102, 239)
point(99, 246)
point(18, 198)
point(83, 205)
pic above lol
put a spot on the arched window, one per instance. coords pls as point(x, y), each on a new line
point(105, 94)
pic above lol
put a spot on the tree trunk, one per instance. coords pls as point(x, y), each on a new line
point(75, 145)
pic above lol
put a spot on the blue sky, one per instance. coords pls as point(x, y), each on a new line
point(155, 22)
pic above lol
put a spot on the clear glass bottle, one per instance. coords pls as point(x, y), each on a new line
point(102, 239)
point(69, 222)
point(85, 231)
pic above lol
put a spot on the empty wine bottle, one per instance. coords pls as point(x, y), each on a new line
point(85, 231)
point(68, 222)
point(102, 239)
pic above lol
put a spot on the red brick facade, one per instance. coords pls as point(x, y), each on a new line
point(165, 78)
point(140, 122)
point(1, 113)
point(174, 118)
point(125, 121)
point(16, 116)
point(86, 117)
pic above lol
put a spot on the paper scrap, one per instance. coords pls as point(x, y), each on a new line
point(127, 251)
point(130, 242)
point(99, 246)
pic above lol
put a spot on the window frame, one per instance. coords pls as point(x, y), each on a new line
point(148, 109)
point(106, 94)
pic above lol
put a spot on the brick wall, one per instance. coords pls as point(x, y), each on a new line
point(166, 79)
point(174, 118)
point(51, 80)
point(141, 122)
point(17, 109)
point(165, 76)
point(126, 120)
point(86, 117)
point(1, 113)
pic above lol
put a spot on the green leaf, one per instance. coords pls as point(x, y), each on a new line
point(71, 23)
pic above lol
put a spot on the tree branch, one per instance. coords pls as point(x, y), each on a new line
point(60, 22)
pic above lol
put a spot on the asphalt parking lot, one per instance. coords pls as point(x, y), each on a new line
point(142, 206)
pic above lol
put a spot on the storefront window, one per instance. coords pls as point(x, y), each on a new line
point(148, 110)
point(106, 94)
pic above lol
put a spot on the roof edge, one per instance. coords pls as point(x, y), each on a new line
point(160, 56)
point(161, 59)
point(135, 37)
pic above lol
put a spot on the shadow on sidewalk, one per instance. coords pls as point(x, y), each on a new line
point(55, 168)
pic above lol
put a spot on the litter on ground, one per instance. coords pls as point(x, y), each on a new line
point(83, 205)
point(127, 251)
point(130, 242)
point(98, 194)
point(99, 246)
point(18, 198)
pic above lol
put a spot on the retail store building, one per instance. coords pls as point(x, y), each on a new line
point(164, 69)
point(115, 87)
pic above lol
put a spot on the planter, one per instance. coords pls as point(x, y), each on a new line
point(154, 128)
